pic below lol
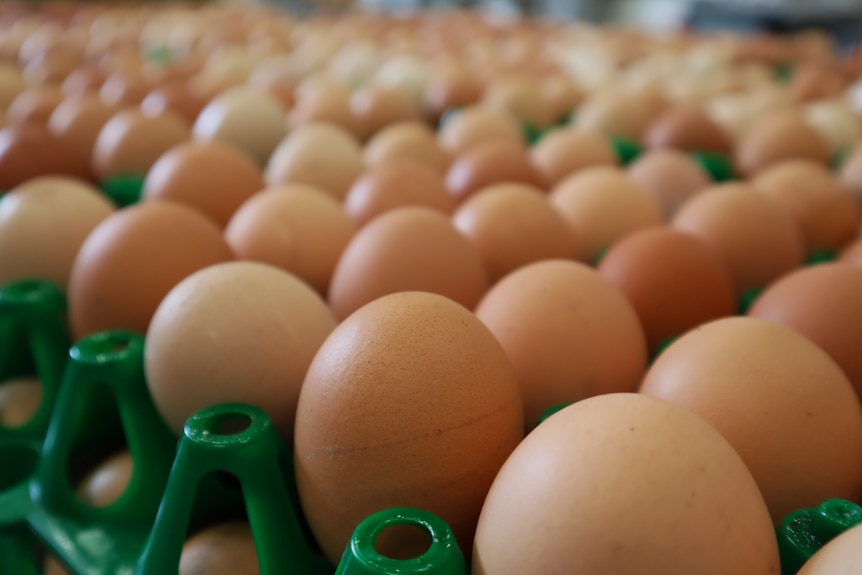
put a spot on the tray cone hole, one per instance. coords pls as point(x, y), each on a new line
point(17, 464)
point(106, 347)
point(231, 424)
point(20, 399)
point(30, 290)
point(403, 542)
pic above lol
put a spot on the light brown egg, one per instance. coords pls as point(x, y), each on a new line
point(406, 141)
point(840, 555)
point(562, 95)
point(458, 417)
point(19, 400)
point(777, 137)
point(295, 227)
point(822, 208)
point(177, 98)
point(671, 176)
point(77, 120)
point(324, 104)
point(320, 155)
point(812, 82)
point(689, 129)
point(618, 113)
point(560, 322)
point(675, 281)
point(214, 178)
point(491, 163)
point(851, 174)
point(131, 142)
point(34, 105)
point(29, 150)
point(12, 83)
point(249, 119)
point(132, 259)
point(51, 68)
point(624, 483)
point(562, 152)
point(107, 482)
point(476, 125)
point(124, 89)
point(522, 97)
point(376, 107)
point(783, 404)
point(408, 248)
point(451, 87)
point(248, 332)
point(601, 205)
point(226, 549)
point(837, 122)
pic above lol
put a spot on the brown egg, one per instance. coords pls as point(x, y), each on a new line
point(213, 177)
point(29, 150)
point(19, 400)
point(840, 555)
point(614, 484)
point(322, 100)
point(812, 82)
point(107, 483)
point(561, 94)
point(522, 97)
point(51, 68)
point(406, 141)
point(319, 155)
point(124, 89)
point(675, 281)
point(12, 83)
point(295, 227)
point(689, 129)
point(82, 81)
point(226, 549)
point(601, 205)
point(562, 152)
point(376, 107)
point(851, 174)
point(408, 248)
point(757, 239)
point(250, 119)
point(476, 125)
point(451, 87)
point(43, 223)
point(671, 176)
point(77, 120)
point(560, 322)
point(777, 137)
point(822, 208)
point(133, 259)
point(177, 98)
point(783, 404)
point(34, 105)
point(248, 332)
point(618, 113)
point(131, 142)
point(416, 404)
point(491, 163)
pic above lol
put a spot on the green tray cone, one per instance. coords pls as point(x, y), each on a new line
point(804, 532)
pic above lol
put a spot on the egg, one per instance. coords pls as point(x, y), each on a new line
point(78, 120)
point(375, 107)
point(330, 106)
point(840, 555)
point(756, 238)
point(476, 125)
point(836, 122)
point(521, 96)
point(34, 105)
point(249, 119)
point(408, 248)
point(226, 548)
point(107, 482)
point(777, 137)
point(19, 401)
point(624, 483)
point(601, 205)
point(687, 128)
point(28, 151)
point(451, 86)
point(12, 83)
point(295, 227)
point(319, 155)
point(177, 98)
point(851, 174)
point(132, 259)
point(410, 402)
point(43, 224)
point(562, 95)
point(406, 141)
point(812, 82)
point(671, 176)
point(563, 152)
point(784, 405)
point(491, 163)
point(618, 113)
point(214, 178)
point(124, 89)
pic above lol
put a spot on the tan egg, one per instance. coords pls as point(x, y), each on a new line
point(811, 82)
point(124, 89)
point(131, 142)
point(560, 322)
point(325, 106)
point(489, 163)
point(777, 137)
point(563, 152)
point(177, 98)
point(451, 87)
point(212, 177)
point(476, 125)
point(132, 259)
point(320, 155)
point(836, 122)
point(29, 150)
point(395, 184)
point(248, 332)
point(458, 417)
point(51, 68)
point(756, 237)
point(19, 401)
point(83, 80)
point(107, 482)
point(562, 95)
point(251, 120)
point(295, 227)
point(77, 120)
point(376, 107)
point(406, 249)
point(601, 205)
point(618, 113)
point(43, 224)
point(34, 105)
point(840, 556)
point(12, 83)
point(226, 549)
point(407, 141)
point(783, 404)
point(822, 208)
point(689, 129)
point(624, 483)
point(522, 97)
point(671, 176)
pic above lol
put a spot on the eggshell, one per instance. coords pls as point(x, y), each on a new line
point(34, 105)
point(295, 227)
point(822, 208)
point(83, 80)
point(624, 483)
point(783, 404)
point(376, 107)
point(674, 280)
point(409, 402)
point(618, 113)
point(476, 125)
point(687, 128)
point(29, 150)
point(522, 97)
point(19, 400)
point(406, 141)
point(77, 120)
point(126, 88)
point(670, 176)
point(851, 174)
point(601, 205)
point(328, 104)
point(841, 556)
point(226, 549)
point(491, 163)
point(319, 155)
point(132, 259)
point(177, 98)
point(563, 152)
point(213, 177)
point(777, 137)
point(451, 87)
point(405, 249)
point(756, 238)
